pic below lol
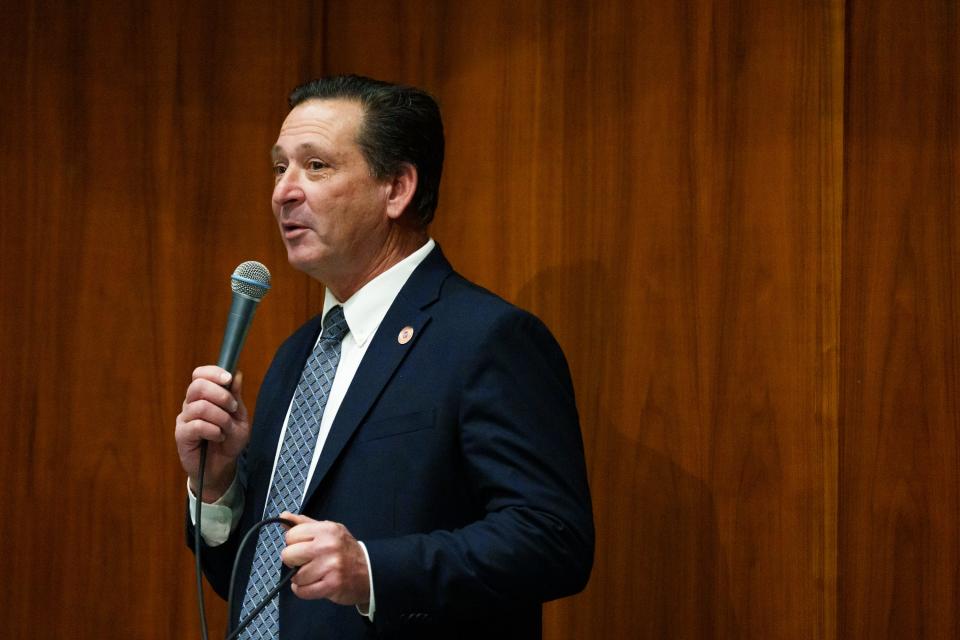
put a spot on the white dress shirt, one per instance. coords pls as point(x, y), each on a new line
point(364, 311)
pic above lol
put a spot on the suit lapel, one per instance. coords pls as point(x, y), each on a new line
point(382, 358)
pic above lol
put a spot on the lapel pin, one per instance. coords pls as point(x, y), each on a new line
point(405, 334)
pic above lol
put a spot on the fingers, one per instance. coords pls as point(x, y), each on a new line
point(319, 580)
point(204, 420)
point(210, 412)
point(301, 533)
point(213, 373)
point(221, 377)
point(213, 412)
point(237, 386)
point(313, 539)
point(206, 410)
point(207, 388)
point(332, 564)
point(341, 579)
point(193, 431)
point(296, 517)
point(209, 408)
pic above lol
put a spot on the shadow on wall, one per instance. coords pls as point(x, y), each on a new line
point(659, 570)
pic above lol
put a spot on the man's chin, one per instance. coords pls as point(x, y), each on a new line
point(299, 260)
point(309, 264)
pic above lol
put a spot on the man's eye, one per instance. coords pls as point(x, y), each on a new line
point(316, 165)
point(279, 169)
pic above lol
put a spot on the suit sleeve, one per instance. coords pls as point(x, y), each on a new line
point(520, 439)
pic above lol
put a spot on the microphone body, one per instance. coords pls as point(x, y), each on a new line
point(250, 282)
point(238, 323)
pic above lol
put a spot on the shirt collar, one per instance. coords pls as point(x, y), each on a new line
point(364, 310)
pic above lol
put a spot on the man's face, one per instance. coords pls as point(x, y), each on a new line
point(330, 209)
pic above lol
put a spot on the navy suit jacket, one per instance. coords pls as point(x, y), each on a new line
point(456, 458)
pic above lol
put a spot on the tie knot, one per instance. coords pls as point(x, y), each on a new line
point(335, 324)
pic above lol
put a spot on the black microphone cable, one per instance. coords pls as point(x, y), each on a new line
point(288, 576)
point(196, 543)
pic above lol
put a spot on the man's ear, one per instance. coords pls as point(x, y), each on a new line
point(402, 187)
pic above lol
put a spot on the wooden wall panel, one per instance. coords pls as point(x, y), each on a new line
point(660, 182)
point(136, 176)
point(900, 452)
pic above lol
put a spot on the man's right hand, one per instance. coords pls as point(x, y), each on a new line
point(213, 410)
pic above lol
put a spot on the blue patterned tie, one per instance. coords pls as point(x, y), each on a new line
point(290, 476)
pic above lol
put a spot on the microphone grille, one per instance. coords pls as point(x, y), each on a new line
point(251, 279)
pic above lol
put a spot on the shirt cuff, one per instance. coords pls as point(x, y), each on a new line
point(372, 606)
point(219, 518)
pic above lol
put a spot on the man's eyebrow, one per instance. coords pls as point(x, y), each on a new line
point(277, 152)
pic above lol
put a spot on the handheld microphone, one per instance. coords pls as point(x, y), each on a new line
point(250, 282)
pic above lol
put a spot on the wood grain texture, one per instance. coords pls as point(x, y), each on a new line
point(136, 177)
point(663, 183)
point(900, 378)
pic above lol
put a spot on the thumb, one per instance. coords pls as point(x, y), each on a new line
point(295, 518)
point(236, 387)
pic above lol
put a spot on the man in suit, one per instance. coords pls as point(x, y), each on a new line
point(434, 468)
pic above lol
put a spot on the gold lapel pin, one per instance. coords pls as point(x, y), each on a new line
point(405, 335)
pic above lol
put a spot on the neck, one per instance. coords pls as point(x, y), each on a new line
point(399, 244)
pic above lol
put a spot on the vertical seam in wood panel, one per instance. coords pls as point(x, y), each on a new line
point(831, 256)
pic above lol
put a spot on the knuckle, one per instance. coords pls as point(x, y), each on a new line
point(207, 371)
point(194, 390)
point(207, 430)
point(206, 411)
point(190, 427)
point(213, 414)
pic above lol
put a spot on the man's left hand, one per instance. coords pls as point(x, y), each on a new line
point(332, 564)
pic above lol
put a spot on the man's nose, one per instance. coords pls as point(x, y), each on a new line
point(287, 190)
